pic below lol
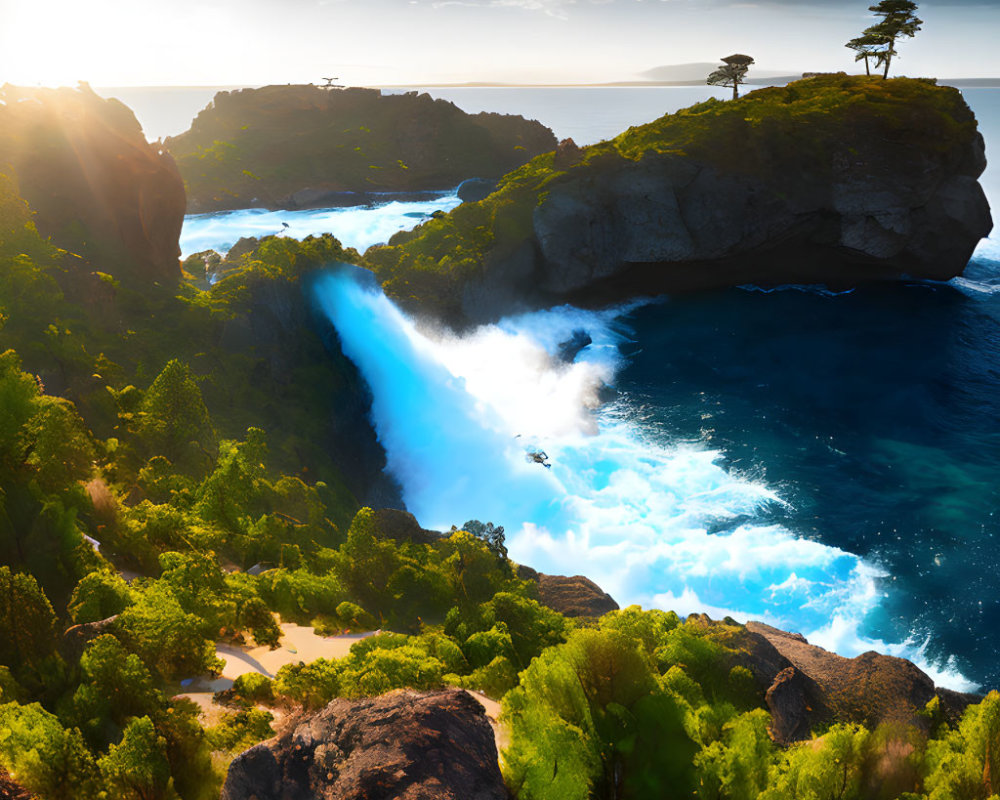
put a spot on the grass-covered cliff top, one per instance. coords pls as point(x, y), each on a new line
point(259, 146)
point(809, 128)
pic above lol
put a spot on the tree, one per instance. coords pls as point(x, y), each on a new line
point(173, 421)
point(137, 767)
point(868, 46)
point(732, 72)
point(898, 19)
point(27, 622)
point(591, 722)
point(492, 535)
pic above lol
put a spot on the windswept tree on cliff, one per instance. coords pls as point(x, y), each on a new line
point(879, 41)
point(731, 73)
point(868, 46)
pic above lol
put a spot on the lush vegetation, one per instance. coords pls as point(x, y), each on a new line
point(165, 486)
point(260, 146)
point(807, 128)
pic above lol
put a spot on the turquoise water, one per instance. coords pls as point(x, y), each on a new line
point(826, 462)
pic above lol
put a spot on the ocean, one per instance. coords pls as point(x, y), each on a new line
point(827, 462)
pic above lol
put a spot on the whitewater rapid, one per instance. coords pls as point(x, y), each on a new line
point(621, 503)
point(355, 226)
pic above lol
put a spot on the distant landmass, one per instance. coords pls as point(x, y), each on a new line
point(698, 71)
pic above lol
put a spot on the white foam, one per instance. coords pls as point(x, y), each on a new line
point(358, 227)
point(619, 505)
point(988, 249)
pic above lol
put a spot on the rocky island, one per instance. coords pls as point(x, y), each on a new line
point(309, 147)
point(834, 179)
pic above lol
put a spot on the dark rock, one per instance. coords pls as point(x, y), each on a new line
point(402, 526)
point(571, 348)
point(788, 701)
point(869, 689)
point(405, 745)
point(307, 147)
point(574, 596)
point(97, 187)
point(475, 189)
point(825, 181)
point(75, 639)
point(568, 154)
point(10, 790)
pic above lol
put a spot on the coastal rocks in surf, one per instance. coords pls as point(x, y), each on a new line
point(94, 183)
point(475, 189)
point(303, 146)
point(404, 745)
point(834, 179)
point(816, 687)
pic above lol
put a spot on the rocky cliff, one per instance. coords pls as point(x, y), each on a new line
point(97, 187)
point(833, 179)
point(807, 687)
point(307, 147)
point(404, 745)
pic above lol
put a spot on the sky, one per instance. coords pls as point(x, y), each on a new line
point(385, 42)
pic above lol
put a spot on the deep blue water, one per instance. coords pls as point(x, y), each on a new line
point(874, 414)
point(796, 455)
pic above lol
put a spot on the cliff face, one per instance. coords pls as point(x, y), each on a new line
point(97, 187)
point(302, 146)
point(406, 745)
point(832, 179)
point(808, 687)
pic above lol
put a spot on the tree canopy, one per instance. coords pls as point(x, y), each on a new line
point(731, 73)
point(898, 19)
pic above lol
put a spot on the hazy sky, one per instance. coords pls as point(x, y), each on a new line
point(213, 42)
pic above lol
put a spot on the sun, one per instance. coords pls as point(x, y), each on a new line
point(103, 42)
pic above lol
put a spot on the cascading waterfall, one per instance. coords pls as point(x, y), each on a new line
point(621, 504)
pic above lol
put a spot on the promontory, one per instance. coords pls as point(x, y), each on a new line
point(304, 146)
point(833, 179)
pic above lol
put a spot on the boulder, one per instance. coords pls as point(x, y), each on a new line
point(475, 189)
point(402, 526)
point(405, 745)
point(574, 596)
point(97, 187)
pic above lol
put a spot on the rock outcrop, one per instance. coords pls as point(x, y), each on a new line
point(10, 790)
point(814, 686)
point(97, 187)
point(306, 147)
point(573, 596)
point(834, 179)
point(405, 745)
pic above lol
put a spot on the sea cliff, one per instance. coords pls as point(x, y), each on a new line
point(832, 179)
point(306, 147)
point(97, 188)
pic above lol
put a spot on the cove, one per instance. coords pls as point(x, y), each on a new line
point(654, 515)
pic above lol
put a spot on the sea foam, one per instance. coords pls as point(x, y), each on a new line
point(356, 226)
point(654, 521)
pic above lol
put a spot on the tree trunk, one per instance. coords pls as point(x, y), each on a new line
point(868, 69)
point(888, 60)
point(736, 88)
